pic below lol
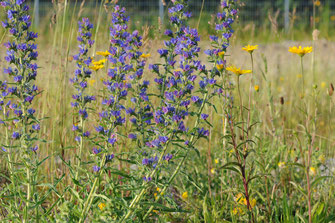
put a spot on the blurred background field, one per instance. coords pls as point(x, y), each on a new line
point(277, 73)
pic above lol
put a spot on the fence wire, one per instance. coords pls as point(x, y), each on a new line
point(258, 12)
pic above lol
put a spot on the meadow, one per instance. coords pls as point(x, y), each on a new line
point(163, 126)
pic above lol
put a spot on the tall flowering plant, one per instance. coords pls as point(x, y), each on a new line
point(19, 116)
point(81, 98)
point(184, 88)
point(125, 67)
point(236, 137)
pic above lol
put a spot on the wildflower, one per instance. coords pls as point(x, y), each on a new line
point(216, 161)
point(312, 171)
point(145, 55)
point(323, 84)
point(237, 71)
point(317, 3)
point(301, 51)
point(220, 67)
point(332, 18)
point(213, 170)
point(250, 49)
point(99, 62)
point(104, 53)
point(281, 165)
point(79, 81)
point(96, 67)
point(240, 199)
point(256, 88)
point(221, 54)
point(185, 195)
point(102, 206)
point(96, 168)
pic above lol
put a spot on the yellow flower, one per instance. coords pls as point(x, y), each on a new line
point(237, 71)
point(159, 190)
point(240, 199)
point(256, 88)
point(184, 195)
point(332, 18)
point(145, 55)
point(281, 164)
point(301, 51)
point(216, 161)
point(91, 82)
point(102, 206)
point(312, 171)
point(317, 3)
point(323, 84)
point(104, 54)
point(96, 67)
point(250, 48)
point(213, 170)
point(99, 62)
point(243, 201)
point(221, 54)
point(219, 67)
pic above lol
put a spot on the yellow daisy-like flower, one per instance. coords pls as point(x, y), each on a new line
point(99, 62)
point(301, 51)
point(185, 195)
point(213, 170)
point(102, 206)
point(216, 161)
point(332, 18)
point(145, 55)
point(281, 164)
point(104, 54)
point(221, 54)
point(96, 67)
point(220, 67)
point(250, 48)
point(238, 71)
point(317, 3)
point(256, 88)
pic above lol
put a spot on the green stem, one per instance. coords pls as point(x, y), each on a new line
point(302, 76)
point(89, 200)
point(184, 157)
point(250, 93)
point(81, 145)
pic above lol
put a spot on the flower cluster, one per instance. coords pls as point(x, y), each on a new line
point(22, 71)
point(16, 103)
point(82, 74)
point(117, 84)
point(176, 82)
point(224, 30)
